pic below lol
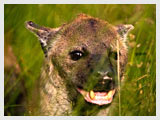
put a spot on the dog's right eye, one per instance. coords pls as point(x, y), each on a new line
point(76, 55)
point(113, 55)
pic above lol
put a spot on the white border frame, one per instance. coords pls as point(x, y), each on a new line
point(2, 2)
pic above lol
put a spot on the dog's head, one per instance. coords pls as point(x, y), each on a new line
point(84, 53)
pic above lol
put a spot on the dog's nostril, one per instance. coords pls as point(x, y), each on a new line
point(105, 74)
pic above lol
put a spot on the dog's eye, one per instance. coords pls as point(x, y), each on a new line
point(76, 55)
point(114, 55)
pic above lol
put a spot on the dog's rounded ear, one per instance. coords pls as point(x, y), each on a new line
point(123, 30)
point(44, 34)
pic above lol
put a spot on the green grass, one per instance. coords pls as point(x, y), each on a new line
point(138, 92)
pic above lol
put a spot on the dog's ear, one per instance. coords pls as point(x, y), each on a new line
point(123, 30)
point(44, 34)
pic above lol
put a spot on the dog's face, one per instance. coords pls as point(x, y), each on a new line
point(84, 53)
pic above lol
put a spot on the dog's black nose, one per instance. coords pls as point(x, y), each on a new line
point(105, 75)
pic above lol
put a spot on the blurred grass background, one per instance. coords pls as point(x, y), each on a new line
point(24, 57)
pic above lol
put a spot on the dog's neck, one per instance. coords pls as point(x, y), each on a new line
point(54, 98)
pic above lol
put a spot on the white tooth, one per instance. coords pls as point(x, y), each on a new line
point(92, 95)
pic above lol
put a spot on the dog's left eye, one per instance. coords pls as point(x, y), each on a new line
point(76, 55)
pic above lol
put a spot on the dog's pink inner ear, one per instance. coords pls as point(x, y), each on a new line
point(123, 30)
point(44, 34)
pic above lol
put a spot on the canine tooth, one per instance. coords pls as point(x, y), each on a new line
point(110, 94)
point(91, 93)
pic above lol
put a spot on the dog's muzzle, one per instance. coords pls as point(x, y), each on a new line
point(102, 93)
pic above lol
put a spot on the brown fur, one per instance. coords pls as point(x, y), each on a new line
point(61, 74)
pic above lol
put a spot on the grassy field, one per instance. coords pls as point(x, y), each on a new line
point(24, 57)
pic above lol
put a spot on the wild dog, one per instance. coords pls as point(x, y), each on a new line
point(80, 62)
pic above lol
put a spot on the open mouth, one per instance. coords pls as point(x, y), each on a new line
point(99, 98)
